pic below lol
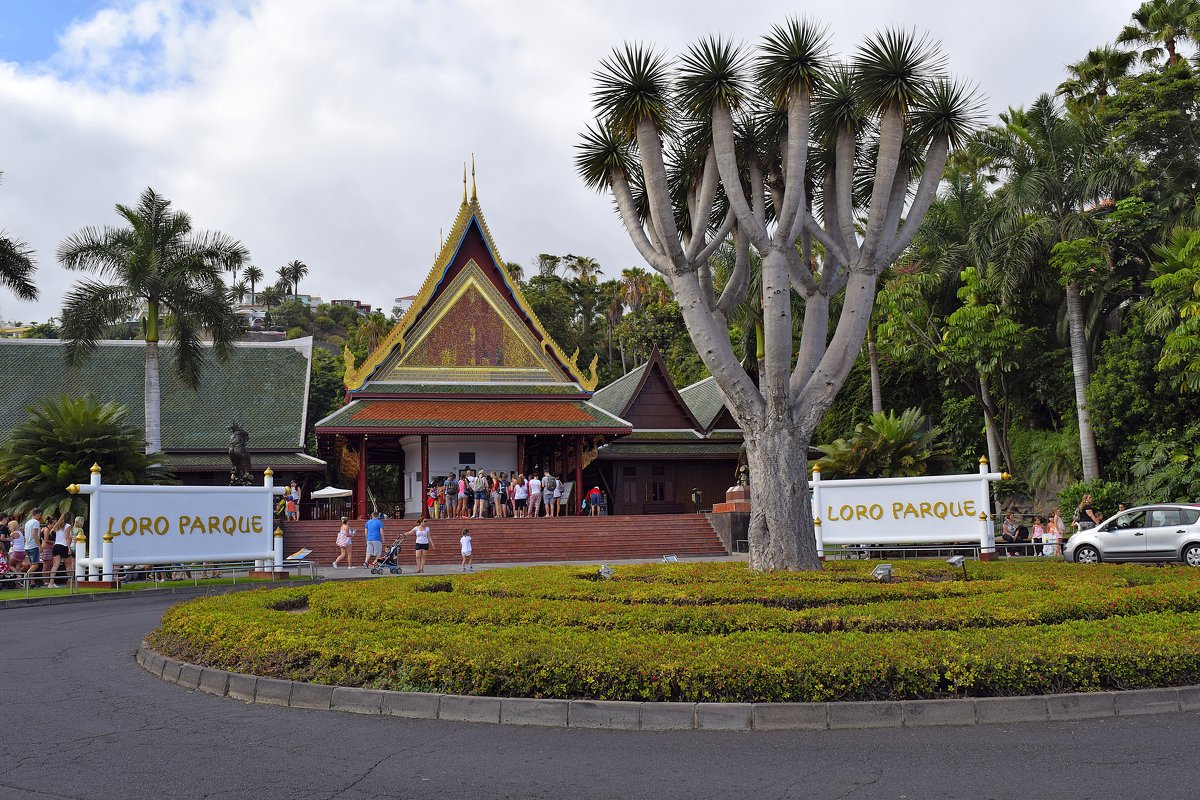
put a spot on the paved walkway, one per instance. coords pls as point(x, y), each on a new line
point(82, 720)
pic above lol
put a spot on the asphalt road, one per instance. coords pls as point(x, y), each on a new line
point(82, 720)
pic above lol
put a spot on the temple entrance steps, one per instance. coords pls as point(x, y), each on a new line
point(528, 540)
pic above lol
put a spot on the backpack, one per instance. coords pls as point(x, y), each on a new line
point(480, 484)
point(550, 484)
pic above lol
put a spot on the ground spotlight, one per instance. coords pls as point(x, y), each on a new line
point(883, 572)
point(607, 572)
point(959, 561)
point(670, 559)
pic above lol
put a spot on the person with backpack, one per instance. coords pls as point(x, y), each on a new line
point(549, 484)
point(479, 489)
point(460, 509)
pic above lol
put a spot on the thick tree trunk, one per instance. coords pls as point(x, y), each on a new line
point(1082, 374)
point(873, 358)
point(781, 519)
point(989, 424)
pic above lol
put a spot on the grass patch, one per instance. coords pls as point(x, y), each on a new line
point(17, 594)
point(715, 632)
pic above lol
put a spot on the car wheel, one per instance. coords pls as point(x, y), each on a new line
point(1191, 555)
point(1090, 555)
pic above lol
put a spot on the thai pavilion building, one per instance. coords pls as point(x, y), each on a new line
point(683, 452)
point(467, 379)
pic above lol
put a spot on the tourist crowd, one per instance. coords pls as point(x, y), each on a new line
point(35, 551)
point(1044, 535)
point(473, 494)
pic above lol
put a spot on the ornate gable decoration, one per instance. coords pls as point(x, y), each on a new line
point(471, 334)
point(467, 329)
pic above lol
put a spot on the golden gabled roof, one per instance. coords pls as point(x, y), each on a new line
point(357, 376)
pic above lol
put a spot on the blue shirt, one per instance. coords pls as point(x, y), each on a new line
point(374, 530)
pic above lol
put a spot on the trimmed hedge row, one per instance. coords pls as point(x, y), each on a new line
point(553, 632)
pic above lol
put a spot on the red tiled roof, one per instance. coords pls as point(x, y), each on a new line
point(426, 415)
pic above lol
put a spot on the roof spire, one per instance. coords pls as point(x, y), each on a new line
point(473, 197)
point(464, 202)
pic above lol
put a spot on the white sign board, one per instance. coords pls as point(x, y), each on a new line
point(135, 525)
point(186, 523)
point(931, 509)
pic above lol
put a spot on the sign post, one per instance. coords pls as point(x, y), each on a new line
point(157, 525)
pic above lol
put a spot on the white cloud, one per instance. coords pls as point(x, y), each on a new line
point(336, 133)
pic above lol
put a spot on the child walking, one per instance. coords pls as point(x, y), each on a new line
point(465, 542)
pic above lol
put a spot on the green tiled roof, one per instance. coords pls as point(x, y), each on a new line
point(615, 396)
point(704, 400)
point(700, 448)
point(207, 462)
point(661, 436)
point(263, 387)
point(387, 387)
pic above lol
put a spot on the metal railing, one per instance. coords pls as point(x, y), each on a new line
point(197, 574)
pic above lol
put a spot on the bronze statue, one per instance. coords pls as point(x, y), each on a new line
point(239, 456)
point(741, 475)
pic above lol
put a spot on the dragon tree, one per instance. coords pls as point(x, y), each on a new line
point(825, 167)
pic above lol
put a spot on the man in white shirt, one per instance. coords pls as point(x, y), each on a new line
point(33, 536)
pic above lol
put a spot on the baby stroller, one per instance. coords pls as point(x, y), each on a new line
point(389, 561)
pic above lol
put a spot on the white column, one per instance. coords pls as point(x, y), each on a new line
point(816, 509)
point(107, 557)
point(80, 556)
point(987, 535)
point(278, 550)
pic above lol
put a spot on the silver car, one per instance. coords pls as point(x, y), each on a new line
point(1161, 532)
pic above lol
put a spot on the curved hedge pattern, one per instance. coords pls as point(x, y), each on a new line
point(713, 632)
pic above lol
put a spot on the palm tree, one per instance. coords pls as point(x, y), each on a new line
point(1056, 168)
point(254, 275)
point(240, 290)
point(1159, 25)
point(296, 271)
point(584, 268)
point(371, 331)
point(284, 282)
point(514, 270)
point(636, 284)
point(1093, 77)
point(17, 267)
point(158, 263)
point(271, 296)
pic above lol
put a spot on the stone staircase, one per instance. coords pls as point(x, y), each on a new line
point(527, 540)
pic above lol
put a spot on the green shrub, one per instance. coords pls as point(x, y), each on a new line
point(713, 632)
point(1105, 496)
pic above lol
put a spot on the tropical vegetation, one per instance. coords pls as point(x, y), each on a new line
point(158, 265)
point(712, 632)
point(57, 446)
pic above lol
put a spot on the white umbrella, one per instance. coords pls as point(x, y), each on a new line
point(330, 492)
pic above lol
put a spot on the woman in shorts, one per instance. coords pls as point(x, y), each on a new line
point(421, 543)
point(520, 495)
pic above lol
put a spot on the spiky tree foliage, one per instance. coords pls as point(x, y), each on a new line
point(1173, 309)
point(17, 267)
point(58, 445)
point(284, 279)
point(254, 275)
point(161, 265)
point(885, 446)
point(1159, 25)
point(296, 271)
point(1095, 75)
point(717, 144)
point(1055, 169)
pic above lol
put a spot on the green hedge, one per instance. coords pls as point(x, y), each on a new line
point(713, 632)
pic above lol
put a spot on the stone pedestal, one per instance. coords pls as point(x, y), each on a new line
point(271, 576)
point(731, 519)
point(737, 498)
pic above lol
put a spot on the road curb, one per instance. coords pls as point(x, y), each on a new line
point(633, 716)
point(198, 591)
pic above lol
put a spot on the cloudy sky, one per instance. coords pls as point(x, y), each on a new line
point(335, 131)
